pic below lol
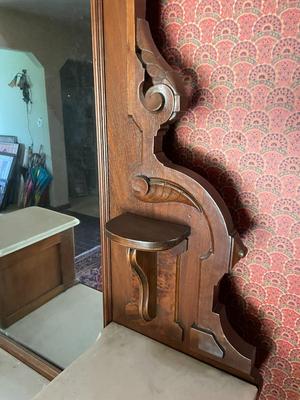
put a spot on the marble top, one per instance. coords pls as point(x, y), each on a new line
point(22, 228)
point(125, 365)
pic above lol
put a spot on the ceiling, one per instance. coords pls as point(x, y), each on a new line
point(69, 11)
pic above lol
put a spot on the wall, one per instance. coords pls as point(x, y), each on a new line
point(52, 43)
point(13, 115)
point(239, 62)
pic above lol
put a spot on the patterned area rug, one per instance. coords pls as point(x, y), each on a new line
point(88, 268)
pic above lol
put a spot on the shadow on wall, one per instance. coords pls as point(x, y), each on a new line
point(228, 183)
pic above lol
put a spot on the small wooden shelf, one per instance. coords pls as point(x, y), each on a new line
point(146, 234)
point(144, 237)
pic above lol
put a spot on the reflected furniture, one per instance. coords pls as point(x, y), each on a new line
point(36, 260)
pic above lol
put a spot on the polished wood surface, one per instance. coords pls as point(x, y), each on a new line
point(34, 275)
point(148, 234)
point(141, 236)
point(97, 25)
point(143, 97)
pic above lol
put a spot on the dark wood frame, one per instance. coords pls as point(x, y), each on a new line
point(102, 147)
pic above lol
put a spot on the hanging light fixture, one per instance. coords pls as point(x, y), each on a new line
point(13, 83)
point(21, 80)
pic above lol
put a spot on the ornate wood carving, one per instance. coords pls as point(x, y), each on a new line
point(208, 342)
point(144, 237)
point(158, 92)
point(143, 181)
point(156, 190)
point(147, 274)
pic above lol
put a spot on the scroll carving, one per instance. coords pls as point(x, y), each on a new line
point(159, 91)
point(145, 269)
point(156, 190)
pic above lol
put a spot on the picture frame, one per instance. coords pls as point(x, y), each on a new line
point(7, 164)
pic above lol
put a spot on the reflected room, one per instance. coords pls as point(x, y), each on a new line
point(50, 252)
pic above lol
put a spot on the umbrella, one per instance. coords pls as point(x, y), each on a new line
point(38, 180)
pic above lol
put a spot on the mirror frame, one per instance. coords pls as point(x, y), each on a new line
point(102, 148)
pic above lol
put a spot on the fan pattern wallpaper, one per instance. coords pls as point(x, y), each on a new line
point(240, 63)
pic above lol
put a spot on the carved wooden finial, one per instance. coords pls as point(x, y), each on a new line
point(163, 88)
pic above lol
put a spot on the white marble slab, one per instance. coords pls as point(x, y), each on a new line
point(78, 312)
point(25, 227)
point(17, 381)
point(125, 365)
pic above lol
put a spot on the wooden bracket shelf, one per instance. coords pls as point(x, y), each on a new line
point(144, 237)
point(146, 234)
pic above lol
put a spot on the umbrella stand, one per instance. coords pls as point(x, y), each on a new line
point(38, 179)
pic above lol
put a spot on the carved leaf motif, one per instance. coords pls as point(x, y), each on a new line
point(156, 190)
point(160, 93)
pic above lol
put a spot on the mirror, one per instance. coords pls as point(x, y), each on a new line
point(50, 288)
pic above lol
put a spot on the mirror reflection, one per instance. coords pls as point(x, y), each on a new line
point(50, 253)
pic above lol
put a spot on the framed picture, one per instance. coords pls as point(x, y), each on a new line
point(11, 148)
point(7, 162)
point(8, 139)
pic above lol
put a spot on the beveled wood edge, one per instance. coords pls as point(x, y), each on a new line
point(140, 245)
point(128, 239)
point(29, 358)
point(101, 131)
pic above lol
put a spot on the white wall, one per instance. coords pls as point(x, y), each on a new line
point(13, 114)
point(52, 43)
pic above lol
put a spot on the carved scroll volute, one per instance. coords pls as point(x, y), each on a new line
point(163, 97)
point(156, 190)
point(159, 88)
point(144, 266)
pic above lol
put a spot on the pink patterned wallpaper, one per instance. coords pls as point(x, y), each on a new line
point(240, 62)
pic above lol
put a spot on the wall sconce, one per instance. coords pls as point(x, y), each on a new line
point(21, 81)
